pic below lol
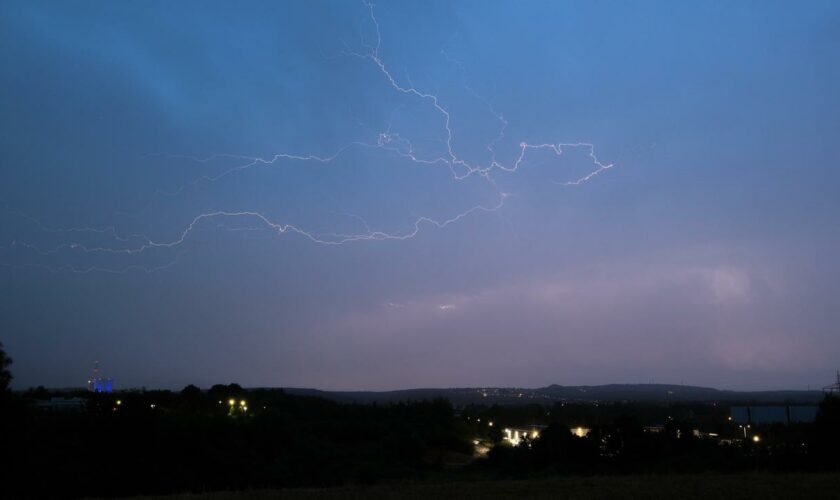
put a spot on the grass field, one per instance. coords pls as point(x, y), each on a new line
point(750, 486)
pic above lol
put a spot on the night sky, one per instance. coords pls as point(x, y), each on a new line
point(267, 193)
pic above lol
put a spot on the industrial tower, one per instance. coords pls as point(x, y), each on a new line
point(835, 387)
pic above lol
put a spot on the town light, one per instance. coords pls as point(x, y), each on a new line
point(580, 431)
point(756, 439)
point(231, 401)
point(119, 402)
point(242, 403)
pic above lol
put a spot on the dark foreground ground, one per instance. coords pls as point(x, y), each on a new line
point(744, 486)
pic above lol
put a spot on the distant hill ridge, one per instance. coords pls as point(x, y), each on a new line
point(582, 393)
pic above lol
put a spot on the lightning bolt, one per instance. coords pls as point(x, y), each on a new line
point(387, 140)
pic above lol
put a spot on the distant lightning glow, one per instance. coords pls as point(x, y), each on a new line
point(388, 140)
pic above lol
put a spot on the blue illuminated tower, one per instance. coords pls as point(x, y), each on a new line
point(97, 383)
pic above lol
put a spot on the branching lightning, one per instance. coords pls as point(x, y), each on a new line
point(389, 141)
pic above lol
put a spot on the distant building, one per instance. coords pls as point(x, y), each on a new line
point(62, 404)
point(514, 436)
point(99, 384)
point(704, 435)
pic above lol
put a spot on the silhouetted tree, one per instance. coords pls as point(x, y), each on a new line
point(39, 392)
point(222, 391)
point(827, 432)
point(5, 374)
point(191, 398)
point(557, 446)
point(191, 392)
